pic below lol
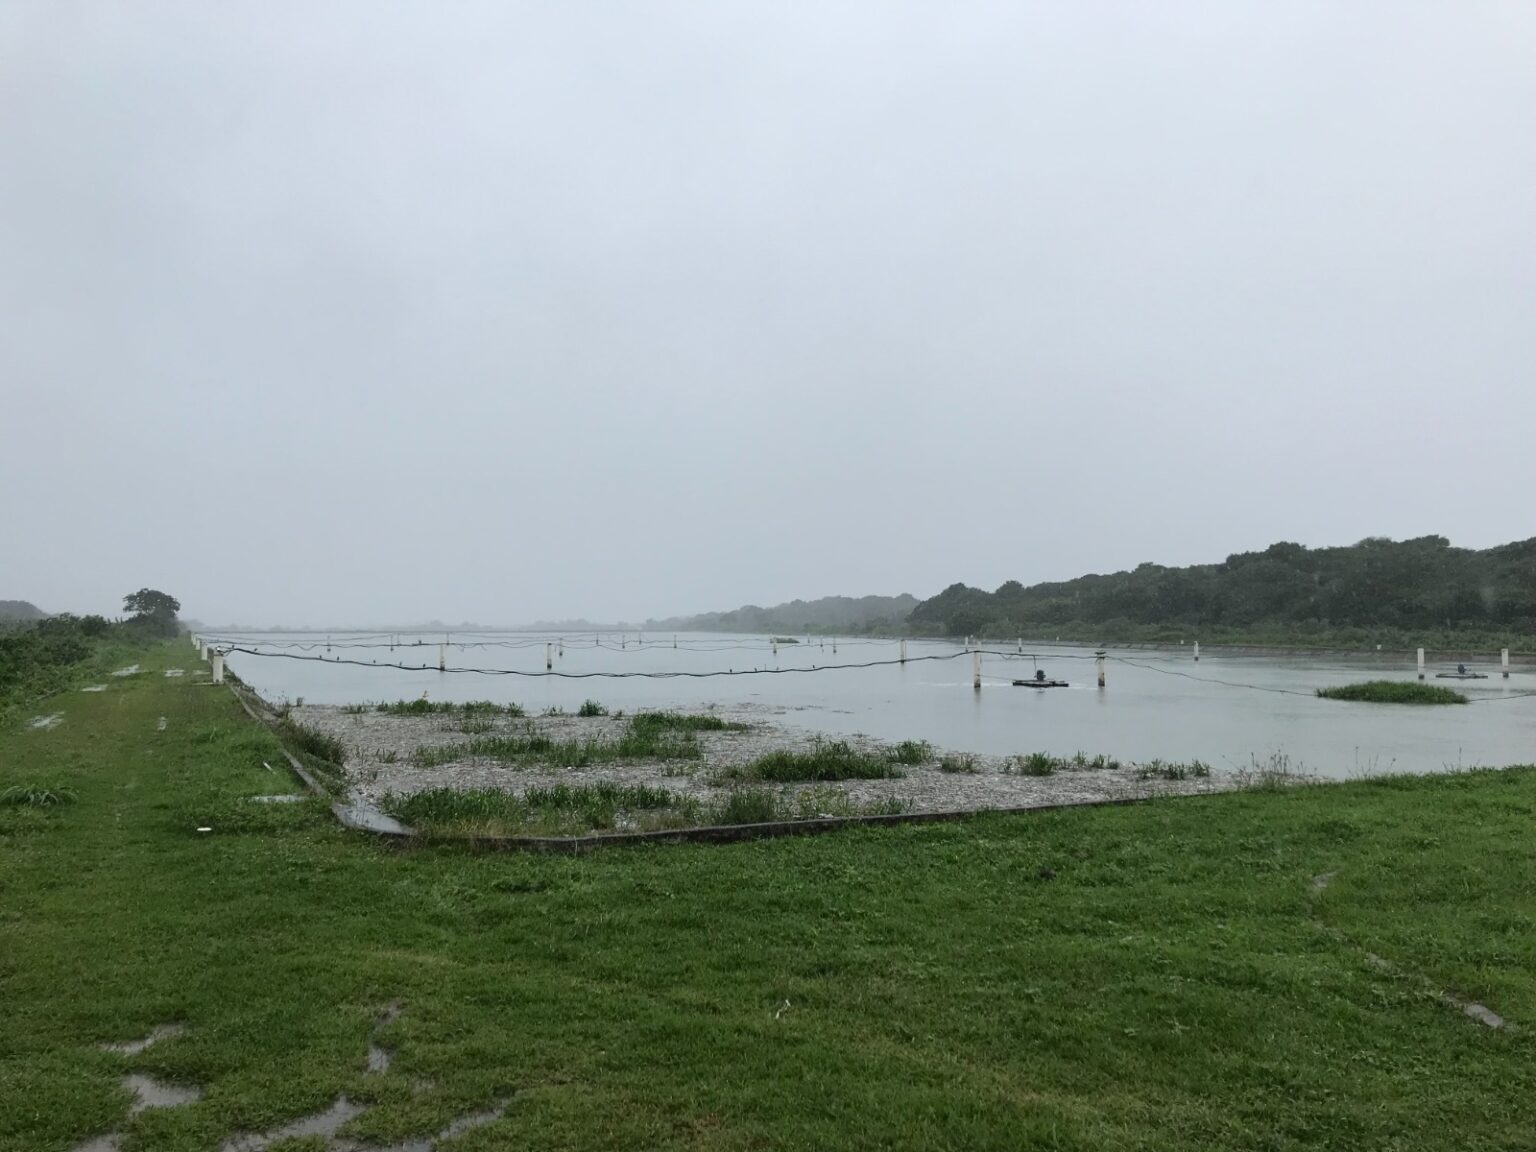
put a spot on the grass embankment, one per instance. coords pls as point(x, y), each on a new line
point(1393, 692)
point(645, 736)
point(1162, 977)
point(578, 809)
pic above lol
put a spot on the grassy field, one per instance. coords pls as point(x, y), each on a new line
point(1166, 976)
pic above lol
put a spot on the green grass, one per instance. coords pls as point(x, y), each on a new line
point(424, 707)
point(825, 760)
point(957, 764)
point(36, 796)
point(1172, 770)
point(591, 708)
point(1393, 692)
point(645, 736)
point(911, 752)
point(682, 722)
point(1161, 977)
point(557, 810)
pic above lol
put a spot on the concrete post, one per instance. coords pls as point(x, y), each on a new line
point(1421, 663)
point(194, 641)
point(775, 644)
point(903, 651)
point(442, 657)
point(976, 669)
point(202, 652)
point(549, 657)
point(1504, 661)
point(1021, 645)
point(834, 645)
point(1197, 651)
point(218, 667)
point(1098, 663)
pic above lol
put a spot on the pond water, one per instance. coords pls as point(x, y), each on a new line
point(1229, 710)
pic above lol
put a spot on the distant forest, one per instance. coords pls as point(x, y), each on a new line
point(1419, 591)
point(829, 614)
point(12, 610)
point(1396, 594)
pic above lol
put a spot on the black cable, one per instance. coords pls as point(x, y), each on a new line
point(600, 675)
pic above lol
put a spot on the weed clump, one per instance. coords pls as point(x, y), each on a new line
point(591, 708)
point(958, 765)
point(824, 760)
point(1164, 770)
point(37, 796)
point(911, 752)
point(1393, 692)
point(425, 707)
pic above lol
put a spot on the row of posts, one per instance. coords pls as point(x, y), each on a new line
point(217, 658)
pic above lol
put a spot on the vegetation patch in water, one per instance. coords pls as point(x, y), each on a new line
point(1393, 692)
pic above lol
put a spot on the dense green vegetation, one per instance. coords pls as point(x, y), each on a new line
point(1178, 976)
point(645, 736)
point(829, 760)
point(1399, 595)
point(44, 654)
point(1393, 692)
point(827, 615)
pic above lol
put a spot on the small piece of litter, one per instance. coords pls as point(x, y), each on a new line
point(48, 722)
point(95, 688)
point(783, 1008)
point(283, 798)
point(160, 726)
point(268, 767)
point(205, 829)
point(173, 672)
point(131, 670)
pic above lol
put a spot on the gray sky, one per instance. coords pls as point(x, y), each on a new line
point(364, 312)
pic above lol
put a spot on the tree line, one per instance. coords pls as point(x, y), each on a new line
point(1421, 591)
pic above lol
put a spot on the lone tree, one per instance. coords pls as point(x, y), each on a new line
point(153, 610)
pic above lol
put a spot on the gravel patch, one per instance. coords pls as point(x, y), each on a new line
point(380, 747)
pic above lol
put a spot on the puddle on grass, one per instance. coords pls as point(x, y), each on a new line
point(131, 670)
point(378, 1058)
point(280, 798)
point(171, 673)
point(94, 688)
point(134, 1047)
point(160, 725)
point(111, 1142)
point(1322, 880)
point(325, 1124)
point(151, 1093)
point(46, 723)
point(1483, 1015)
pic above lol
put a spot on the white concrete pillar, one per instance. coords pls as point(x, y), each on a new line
point(202, 653)
point(903, 651)
point(194, 641)
point(218, 667)
point(976, 669)
point(1421, 663)
point(1098, 663)
point(1197, 651)
point(549, 657)
point(442, 657)
point(834, 645)
point(775, 644)
point(1021, 645)
point(1504, 661)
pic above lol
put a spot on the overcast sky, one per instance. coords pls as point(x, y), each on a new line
point(329, 313)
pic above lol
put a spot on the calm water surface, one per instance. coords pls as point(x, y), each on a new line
point(1156, 704)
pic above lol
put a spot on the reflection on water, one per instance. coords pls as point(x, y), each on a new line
point(1227, 710)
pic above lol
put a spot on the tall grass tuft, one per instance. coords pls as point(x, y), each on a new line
point(36, 796)
point(824, 760)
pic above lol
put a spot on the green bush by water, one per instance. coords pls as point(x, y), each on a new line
point(1393, 692)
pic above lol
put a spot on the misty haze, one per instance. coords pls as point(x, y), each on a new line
point(767, 576)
